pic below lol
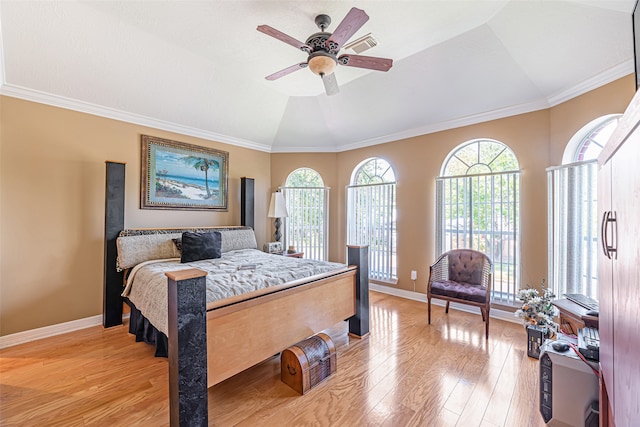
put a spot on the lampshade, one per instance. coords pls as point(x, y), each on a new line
point(322, 64)
point(277, 207)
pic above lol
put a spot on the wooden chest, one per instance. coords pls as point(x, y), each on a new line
point(305, 364)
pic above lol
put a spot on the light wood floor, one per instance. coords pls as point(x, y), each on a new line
point(406, 373)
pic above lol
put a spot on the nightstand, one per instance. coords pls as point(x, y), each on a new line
point(294, 255)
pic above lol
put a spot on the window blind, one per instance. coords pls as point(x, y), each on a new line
point(307, 226)
point(371, 220)
point(573, 228)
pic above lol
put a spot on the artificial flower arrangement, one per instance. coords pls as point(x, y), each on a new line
point(536, 309)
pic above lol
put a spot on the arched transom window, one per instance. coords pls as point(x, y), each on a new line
point(588, 142)
point(478, 207)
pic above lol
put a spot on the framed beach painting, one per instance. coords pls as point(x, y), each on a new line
point(176, 175)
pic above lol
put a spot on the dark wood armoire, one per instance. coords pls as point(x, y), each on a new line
point(619, 272)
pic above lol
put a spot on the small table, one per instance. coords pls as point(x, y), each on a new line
point(574, 317)
point(294, 255)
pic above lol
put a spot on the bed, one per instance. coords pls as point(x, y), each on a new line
point(257, 305)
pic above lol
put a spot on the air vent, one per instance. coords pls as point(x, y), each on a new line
point(362, 44)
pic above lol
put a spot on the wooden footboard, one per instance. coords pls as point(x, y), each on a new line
point(246, 333)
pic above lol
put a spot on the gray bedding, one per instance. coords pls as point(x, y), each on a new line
point(147, 284)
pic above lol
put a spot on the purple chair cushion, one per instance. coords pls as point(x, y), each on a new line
point(465, 291)
point(466, 266)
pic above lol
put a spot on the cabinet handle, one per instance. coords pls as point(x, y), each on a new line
point(609, 218)
point(603, 234)
point(614, 235)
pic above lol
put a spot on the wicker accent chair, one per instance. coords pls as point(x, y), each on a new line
point(462, 276)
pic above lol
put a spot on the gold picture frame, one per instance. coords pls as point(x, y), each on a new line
point(177, 175)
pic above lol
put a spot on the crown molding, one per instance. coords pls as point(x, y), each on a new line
point(293, 149)
point(425, 130)
point(123, 116)
point(601, 79)
point(606, 77)
point(588, 85)
point(450, 124)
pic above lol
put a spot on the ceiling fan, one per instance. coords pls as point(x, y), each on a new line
point(323, 49)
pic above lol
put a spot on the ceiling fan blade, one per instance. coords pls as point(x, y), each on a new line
point(330, 84)
point(370, 62)
point(288, 70)
point(348, 27)
point(270, 31)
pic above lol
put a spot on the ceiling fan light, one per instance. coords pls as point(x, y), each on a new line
point(322, 65)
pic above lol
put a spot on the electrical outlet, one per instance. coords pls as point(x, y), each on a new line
point(414, 275)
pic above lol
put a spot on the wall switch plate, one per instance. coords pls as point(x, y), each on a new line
point(414, 275)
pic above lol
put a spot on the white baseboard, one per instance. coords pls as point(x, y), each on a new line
point(75, 325)
point(495, 313)
point(50, 331)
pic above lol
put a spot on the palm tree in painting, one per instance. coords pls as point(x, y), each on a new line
point(203, 164)
point(162, 174)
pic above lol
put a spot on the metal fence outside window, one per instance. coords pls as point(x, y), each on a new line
point(481, 212)
point(371, 220)
point(307, 226)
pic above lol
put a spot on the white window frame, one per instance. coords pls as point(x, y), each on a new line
point(572, 211)
point(307, 226)
point(499, 235)
point(371, 217)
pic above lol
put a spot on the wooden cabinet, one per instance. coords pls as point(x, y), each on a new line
point(619, 271)
point(605, 290)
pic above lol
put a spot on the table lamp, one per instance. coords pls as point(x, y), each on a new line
point(277, 210)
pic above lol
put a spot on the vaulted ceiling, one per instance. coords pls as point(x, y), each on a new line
point(198, 67)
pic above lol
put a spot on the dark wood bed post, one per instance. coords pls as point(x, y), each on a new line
point(359, 256)
point(113, 223)
point(247, 189)
point(187, 315)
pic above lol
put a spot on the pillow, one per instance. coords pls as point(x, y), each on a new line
point(199, 246)
point(133, 250)
point(233, 240)
point(178, 242)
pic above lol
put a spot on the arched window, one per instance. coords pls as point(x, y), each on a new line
point(588, 142)
point(307, 226)
point(478, 207)
point(371, 216)
point(572, 204)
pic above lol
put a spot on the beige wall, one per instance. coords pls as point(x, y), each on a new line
point(52, 175)
point(52, 195)
point(536, 139)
